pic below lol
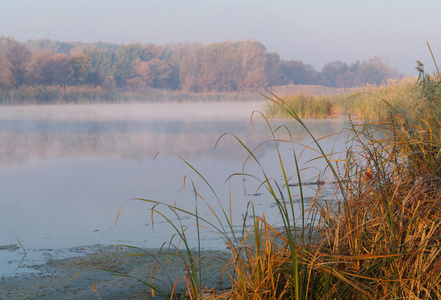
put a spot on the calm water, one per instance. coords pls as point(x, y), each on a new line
point(65, 171)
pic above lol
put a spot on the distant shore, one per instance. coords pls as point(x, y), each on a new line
point(41, 94)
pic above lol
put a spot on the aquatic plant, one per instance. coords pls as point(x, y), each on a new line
point(46, 94)
point(380, 241)
point(366, 103)
point(377, 237)
point(306, 107)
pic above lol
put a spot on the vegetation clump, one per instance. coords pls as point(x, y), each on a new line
point(306, 107)
point(362, 102)
point(377, 237)
point(381, 236)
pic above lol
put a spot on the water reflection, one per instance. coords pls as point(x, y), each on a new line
point(24, 141)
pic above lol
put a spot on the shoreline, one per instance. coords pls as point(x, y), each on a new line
point(90, 275)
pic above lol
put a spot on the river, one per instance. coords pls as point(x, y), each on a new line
point(66, 170)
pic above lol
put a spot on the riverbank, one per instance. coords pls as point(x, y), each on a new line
point(55, 94)
point(88, 276)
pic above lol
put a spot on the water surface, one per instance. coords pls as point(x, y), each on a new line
point(66, 170)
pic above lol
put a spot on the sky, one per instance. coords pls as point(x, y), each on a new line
point(314, 31)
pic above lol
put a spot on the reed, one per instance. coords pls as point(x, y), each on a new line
point(380, 241)
point(384, 243)
point(306, 107)
point(370, 103)
point(44, 94)
point(366, 103)
point(309, 90)
point(378, 237)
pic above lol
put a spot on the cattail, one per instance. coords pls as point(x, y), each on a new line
point(368, 174)
point(401, 118)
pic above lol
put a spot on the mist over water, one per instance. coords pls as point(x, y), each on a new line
point(66, 170)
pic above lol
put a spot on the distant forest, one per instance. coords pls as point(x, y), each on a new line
point(219, 67)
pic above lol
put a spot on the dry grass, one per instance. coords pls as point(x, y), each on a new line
point(366, 103)
point(44, 94)
point(369, 103)
point(306, 107)
point(379, 237)
point(385, 241)
point(382, 240)
point(309, 90)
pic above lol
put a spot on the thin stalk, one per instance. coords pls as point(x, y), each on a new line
point(433, 57)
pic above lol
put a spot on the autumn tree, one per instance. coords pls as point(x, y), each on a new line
point(152, 51)
point(124, 66)
point(252, 57)
point(336, 74)
point(273, 69)
point(144, 72)
point(164, 67)
point(189, 68)
point(101, 66)
point(223, 66)
point(35, 66)
point(210, 70)
point(57, 70)
point(5, 73)
point(81, 67)
point(178, 52)
point(374, 71)
point(18, 57)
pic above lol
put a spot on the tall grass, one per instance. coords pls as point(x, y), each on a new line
point(385, 242)
point(382, 239)
point(306, 107)
point(378, 237)
point(370, 103)
point(367, 103)
point(45, 94)
point(309, 90)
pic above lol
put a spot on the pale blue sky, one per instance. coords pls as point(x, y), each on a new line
point(315, 31)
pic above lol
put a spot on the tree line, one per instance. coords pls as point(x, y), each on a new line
point(189, 67)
